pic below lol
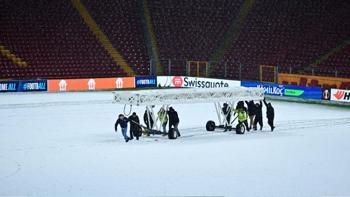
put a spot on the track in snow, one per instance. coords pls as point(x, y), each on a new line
point(281, 126)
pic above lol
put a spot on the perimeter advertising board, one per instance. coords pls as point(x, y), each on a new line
point(195, 82)
point(286, 90)
point(9, 86)
point(340, 95)
point(33, 85)
point(23, 86)
point(90, 84)
point(145, 81)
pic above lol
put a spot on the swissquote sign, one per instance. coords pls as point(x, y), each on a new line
point(195, 82)
point(340, 95)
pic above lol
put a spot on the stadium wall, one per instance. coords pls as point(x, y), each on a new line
point(293, 93)
point(273, 91)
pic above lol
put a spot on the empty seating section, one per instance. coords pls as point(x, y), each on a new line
point(190, 29)
point(53, 39)
point(296, 36)
point(120, 20)
point(339, 62)
point(7, 67)
point(289, 34)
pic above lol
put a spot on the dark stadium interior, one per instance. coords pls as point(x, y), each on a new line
point(50, 39)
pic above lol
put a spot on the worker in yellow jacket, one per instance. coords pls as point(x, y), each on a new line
point(163, 118)
point(242, 116)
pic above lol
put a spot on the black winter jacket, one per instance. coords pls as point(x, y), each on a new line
point(270, 111)
point(173, 117)
point(258, 110)
point(251, 108)
point(133, 122)
point(123, 123)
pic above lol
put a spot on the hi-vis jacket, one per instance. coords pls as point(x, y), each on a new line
point(163, 117)
point(242, 114)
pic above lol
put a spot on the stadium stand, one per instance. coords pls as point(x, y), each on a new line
point(289, 34)
point(339, 61)
point(54, 41)
point(121, 21)
point(303, 37)
point(190, 30)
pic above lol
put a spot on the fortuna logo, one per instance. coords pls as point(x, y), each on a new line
point(91, 84)
point(339, 94)
point(177, 81)
point(119, 83)
point(63, 85)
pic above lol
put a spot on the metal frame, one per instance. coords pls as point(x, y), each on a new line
point(197, 65)
point(275, 73)
point(149, 98)
point(187, 95)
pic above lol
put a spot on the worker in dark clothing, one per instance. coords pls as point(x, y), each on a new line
point(251, 112)
point(173, 120)
point(240, 104)
point(148, 119)
point(123, 122)
point(258, 116)
point(270, 113)
point(226, 110)
point(135, 129)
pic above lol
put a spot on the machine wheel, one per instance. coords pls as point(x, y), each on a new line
point(240, 129)
point(210, 126)
point(172, 134)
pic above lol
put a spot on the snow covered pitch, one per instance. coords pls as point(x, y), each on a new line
point(63, 144)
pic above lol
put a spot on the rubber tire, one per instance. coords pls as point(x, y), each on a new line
point(210, 126)
point(172, 134)
point(240, 129)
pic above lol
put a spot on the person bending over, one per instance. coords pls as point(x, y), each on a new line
point(123, 122)
point(174, 120)
point(135, 129)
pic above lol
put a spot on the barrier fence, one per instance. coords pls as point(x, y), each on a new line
point(66, 85)
point(237, 70)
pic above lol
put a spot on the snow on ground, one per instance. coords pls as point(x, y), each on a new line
point(63, 144)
